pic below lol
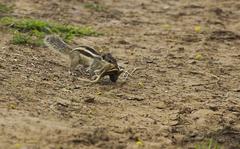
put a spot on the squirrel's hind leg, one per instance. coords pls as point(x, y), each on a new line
point(75, 58)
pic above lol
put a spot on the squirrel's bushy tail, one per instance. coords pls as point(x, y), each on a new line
point(56, 43)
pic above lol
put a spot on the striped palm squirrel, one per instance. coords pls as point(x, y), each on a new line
point(98, 65)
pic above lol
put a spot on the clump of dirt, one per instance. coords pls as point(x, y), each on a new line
point(186, 93)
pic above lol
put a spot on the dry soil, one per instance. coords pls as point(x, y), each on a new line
point(186, 92)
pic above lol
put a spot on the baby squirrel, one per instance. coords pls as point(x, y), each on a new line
point(98, 65)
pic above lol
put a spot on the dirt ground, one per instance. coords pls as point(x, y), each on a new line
point(188, 90)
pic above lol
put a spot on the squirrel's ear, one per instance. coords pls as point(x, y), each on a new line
point(109, 54)
point(103, 56)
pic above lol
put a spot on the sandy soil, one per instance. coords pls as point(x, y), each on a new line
point(187, 91)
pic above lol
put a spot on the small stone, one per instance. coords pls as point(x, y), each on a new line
point(89, 99)
point(161, 105)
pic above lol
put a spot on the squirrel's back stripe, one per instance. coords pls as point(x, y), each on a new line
point(90, 49)
point(86, 52)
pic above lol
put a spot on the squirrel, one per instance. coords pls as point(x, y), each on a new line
point(98, 65)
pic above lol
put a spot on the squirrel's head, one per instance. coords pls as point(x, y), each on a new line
point(109, 58)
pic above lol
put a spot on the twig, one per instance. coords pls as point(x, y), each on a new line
point(206, 74)
point(127, 74)
point(52, 108)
